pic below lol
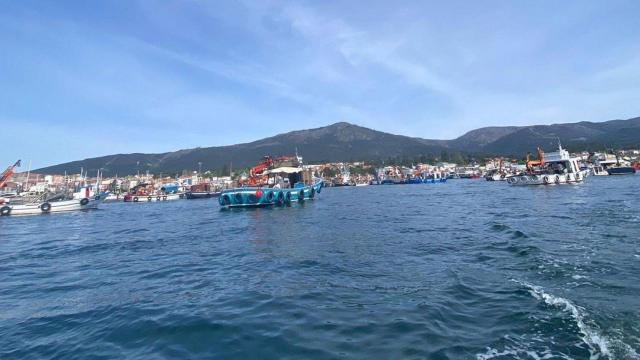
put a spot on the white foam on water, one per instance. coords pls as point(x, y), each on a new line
point(516, 354)
point(599, 345)
point(578, 277)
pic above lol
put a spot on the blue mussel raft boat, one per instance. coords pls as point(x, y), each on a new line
point(266, 196)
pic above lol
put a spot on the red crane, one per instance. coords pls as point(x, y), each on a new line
point(7, 174)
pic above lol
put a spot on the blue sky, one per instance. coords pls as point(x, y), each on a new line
point(89, 78)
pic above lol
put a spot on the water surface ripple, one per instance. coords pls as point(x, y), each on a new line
point(463, 270)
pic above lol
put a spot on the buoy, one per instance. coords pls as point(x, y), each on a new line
point(5, 211)
point(46, 207)
point(84, 201)
point(258, 193)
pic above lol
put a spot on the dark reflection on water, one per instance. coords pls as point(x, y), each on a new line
point(467, 269)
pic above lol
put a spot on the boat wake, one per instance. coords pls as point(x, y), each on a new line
point(600, 346)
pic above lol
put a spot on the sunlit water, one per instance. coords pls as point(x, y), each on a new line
point(463, 270)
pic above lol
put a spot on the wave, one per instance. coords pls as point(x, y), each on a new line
point(600, 346)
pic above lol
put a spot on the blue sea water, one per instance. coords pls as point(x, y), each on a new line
point(464, 270)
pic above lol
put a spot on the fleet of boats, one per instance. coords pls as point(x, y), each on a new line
point(280, 181)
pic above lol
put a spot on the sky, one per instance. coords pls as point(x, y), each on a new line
point(80, 79)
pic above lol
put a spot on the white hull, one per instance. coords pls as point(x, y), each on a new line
point(154, 198)
point(52, 207)
point(551, 179)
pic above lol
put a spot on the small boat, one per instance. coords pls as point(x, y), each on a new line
point(621, 170)
point(267, 185)
point(50, 206)
point(201, 191)
point(114, 198)
point(151, 197)
point(599, 170)
point(621, 167)
point(552, 168)
point(146, 193)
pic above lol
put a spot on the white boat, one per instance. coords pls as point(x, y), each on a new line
point(553, 168)
point(46, 207)
point(599, 170)
point(496, 176)
point(152, 197)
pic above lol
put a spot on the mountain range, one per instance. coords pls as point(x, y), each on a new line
point(347, 142)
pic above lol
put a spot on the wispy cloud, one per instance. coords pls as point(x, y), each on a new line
point(197, 74)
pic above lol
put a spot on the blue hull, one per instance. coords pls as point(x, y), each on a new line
point(623, 170)
point(264, 196)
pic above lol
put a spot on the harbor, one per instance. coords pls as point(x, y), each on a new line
point(285, 179)
point(320, 180)
point(265, 269)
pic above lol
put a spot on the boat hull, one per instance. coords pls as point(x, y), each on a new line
point(192, 195)
point(263, 196)
point(548, 179)
point(53, 207)
point(152, 198)
point(623, 170)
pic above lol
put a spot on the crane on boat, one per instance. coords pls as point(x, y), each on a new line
point(7, 174)
point(539, 162)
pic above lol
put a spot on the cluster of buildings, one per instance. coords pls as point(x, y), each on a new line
point(334, 174)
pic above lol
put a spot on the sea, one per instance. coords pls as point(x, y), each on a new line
point(468, 269)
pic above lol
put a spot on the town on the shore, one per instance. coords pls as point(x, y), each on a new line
point(332, 174)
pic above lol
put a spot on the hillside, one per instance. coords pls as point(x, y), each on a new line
point(347, 142)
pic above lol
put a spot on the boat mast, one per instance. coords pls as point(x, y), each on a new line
point(28, 173)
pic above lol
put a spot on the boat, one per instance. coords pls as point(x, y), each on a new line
point(621, 170)
point(146, 193)
point(201, 191)
point(269, 185)
point(496, 174)
point(84, 198)
point(552, 168)
point(598, 170)
point(47, 206)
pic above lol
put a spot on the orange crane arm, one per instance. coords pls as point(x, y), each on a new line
point(7, 174)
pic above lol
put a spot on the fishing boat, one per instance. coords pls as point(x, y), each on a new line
point(621, 170)
point(52, 205)
point(84, 198)
point(496, 174)
point(621, 167)
point(269, 184)
point(201, 191)
point(552, 168)
point(598, 170)
point(146, 193)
